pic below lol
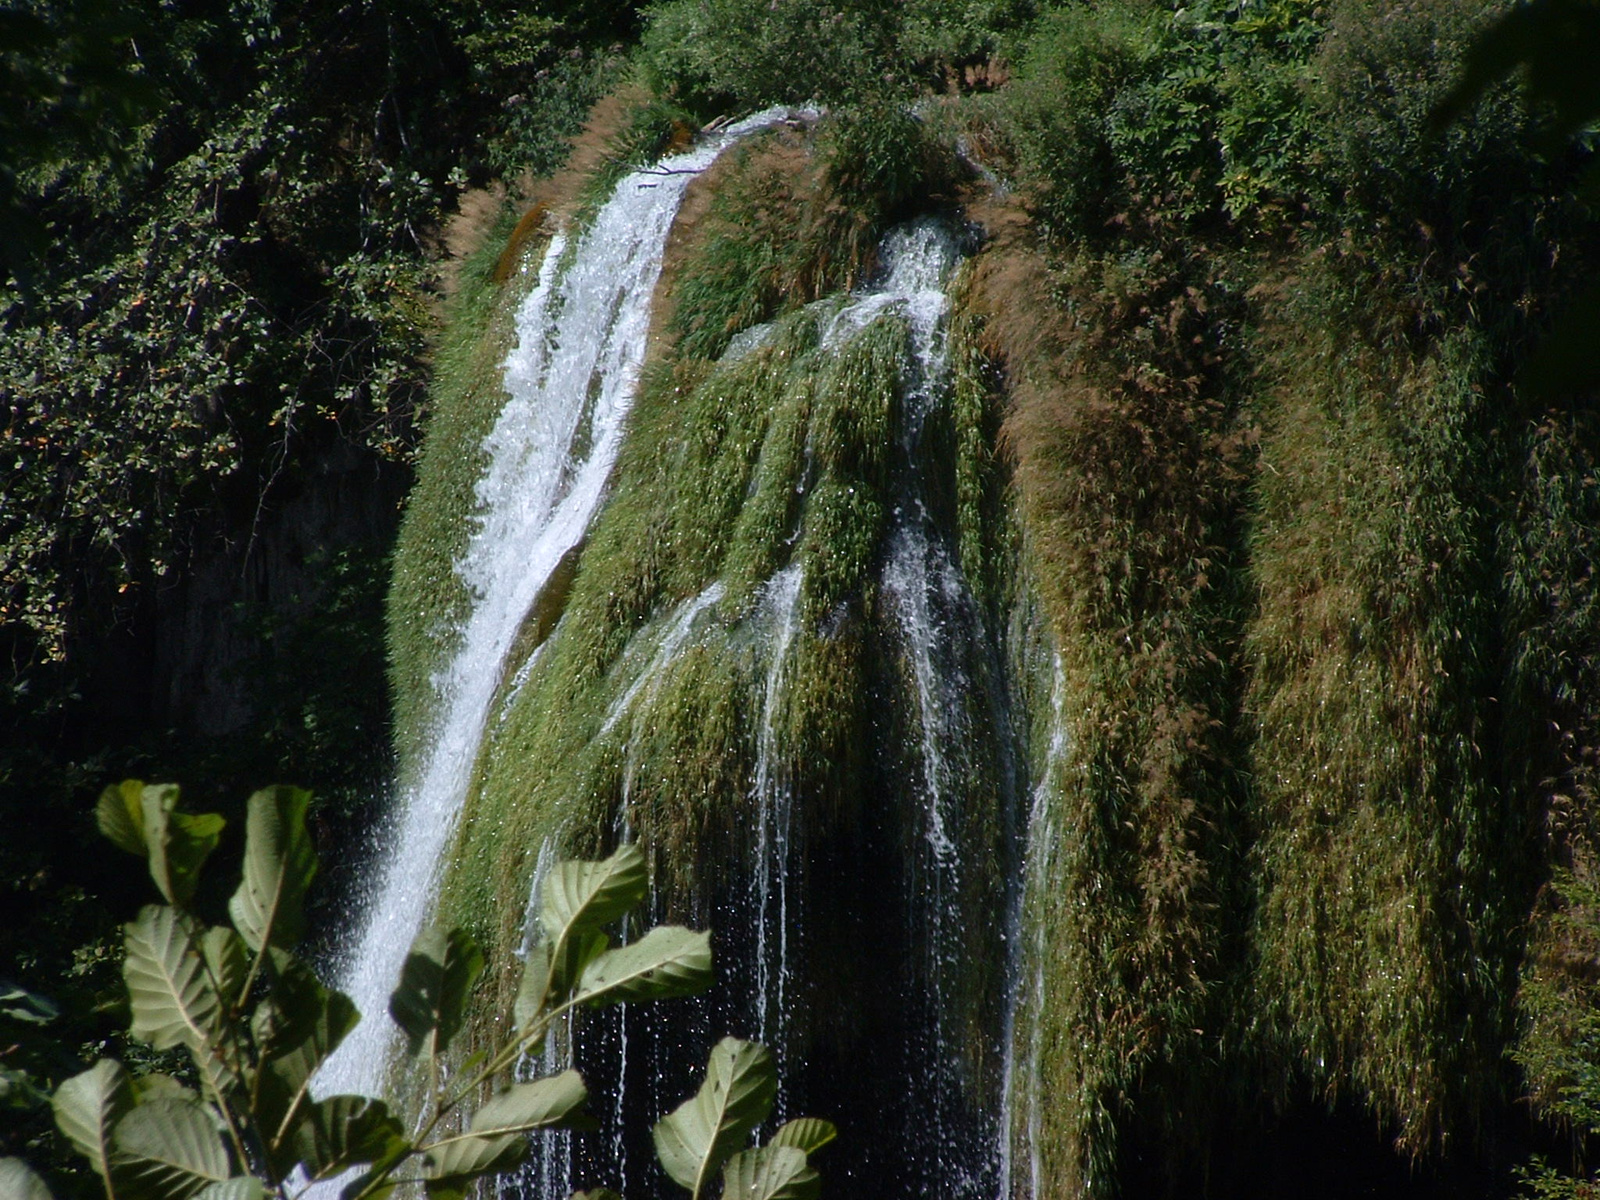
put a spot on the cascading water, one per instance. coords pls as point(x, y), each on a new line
point(946, 1119)
point(570, 381)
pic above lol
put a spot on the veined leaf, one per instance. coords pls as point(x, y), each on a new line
point(541, 1104)
point(88, 1106)
point(167, 1150)
point(156, 1086)
point(438, 974)
point(18, 1182)
point(143, 819)
point(696, 1138)
point(545, 984)
point(120, 816)
point(240, 1187)
point(279, 863)
point(667, 961)
point(188, 843)
point(770, 1173)
point(170, 990)
point(587, 895)
point(464, 1157)
point(496, 1136)
point(228, 962)
point(342, 1131)
point(806, 1134)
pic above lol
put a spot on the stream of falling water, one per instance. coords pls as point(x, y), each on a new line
point(570, 382)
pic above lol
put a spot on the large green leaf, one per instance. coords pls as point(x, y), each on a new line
point(240, 1187)
point(279, 863)
point(228, 962)
point(546, 983)
point(297, 1027)
point(496, 1136)
point(170, 990)
point(696, 1138)
point(120, 816)
point(341, 1131)
point(157, 1086)
point(541, 1104)
point(465, 1157)
point(587, 895)
point(167, 1150)
point(806, 1134)
point(438, 974)
point(18, 1182)
point(770, 1173)
point(667, 961)
point(88, 1106)
point(143, 819)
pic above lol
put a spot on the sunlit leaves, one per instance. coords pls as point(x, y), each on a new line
point(495, 1136)
point(809, 1134)
point(771, 1173)
point(278, 867)
point(18, 1182)
point(173, 1000)
point(696, 1138)
point(434, 982)
point(88, 1106)
point(667, 961)
point(587, 895)
point(167, 1150)
point(144, 820)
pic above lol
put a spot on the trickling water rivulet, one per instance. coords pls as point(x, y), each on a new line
point(570, 382)
point(928, 1106)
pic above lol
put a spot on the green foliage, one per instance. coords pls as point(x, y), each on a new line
point(717, 54)
point(703, 1134)
point(1559, 1051)
point(1076, 63)
point(257, 1025)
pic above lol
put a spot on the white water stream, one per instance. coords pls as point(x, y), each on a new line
point(570, 382)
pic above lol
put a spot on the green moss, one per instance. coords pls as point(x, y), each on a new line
point(1390, 861)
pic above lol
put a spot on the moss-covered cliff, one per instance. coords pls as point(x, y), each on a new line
point(1262, 711)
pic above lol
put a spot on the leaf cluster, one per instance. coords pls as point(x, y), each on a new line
point(257, 1025)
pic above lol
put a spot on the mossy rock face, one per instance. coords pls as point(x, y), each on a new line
point(736, 672)
point(1228, 800)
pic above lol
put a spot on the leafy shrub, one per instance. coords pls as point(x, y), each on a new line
point(1075, 65)
point(1383, 68)
point(936, 34)
point(713, 55)
point(257, 1025)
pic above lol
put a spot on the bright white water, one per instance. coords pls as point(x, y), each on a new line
point(940, 636)
point(774, 815)
point(570, 382)
point(1021, 1088)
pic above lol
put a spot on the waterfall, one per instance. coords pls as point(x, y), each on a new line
point(932, 1110)
point(570, 383)
point(901, 899)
